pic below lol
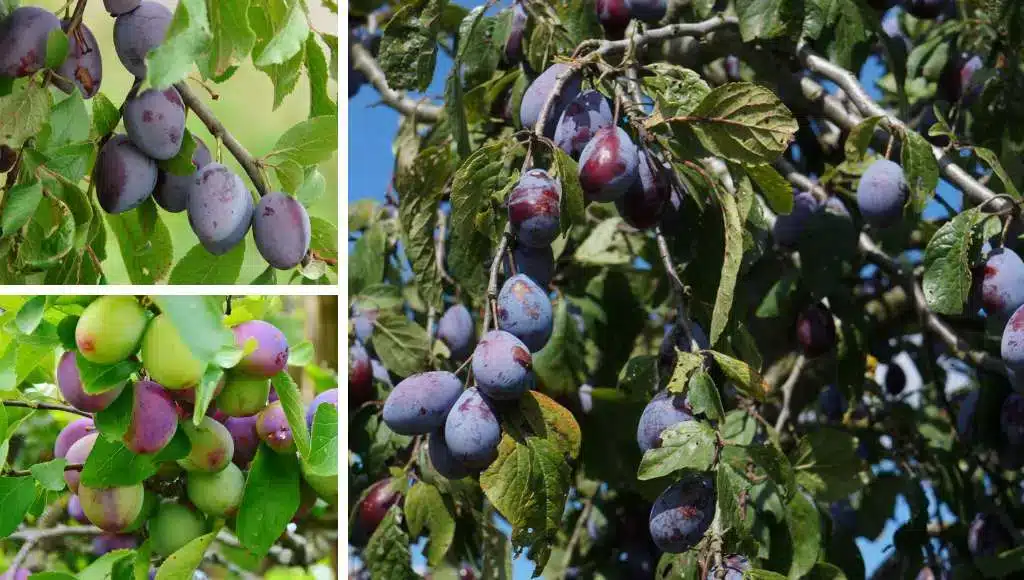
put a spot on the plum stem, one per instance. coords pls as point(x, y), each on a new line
point(217, 129)
point(787, 391)
point(76, 18)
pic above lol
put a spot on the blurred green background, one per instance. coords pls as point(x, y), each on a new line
point(245, 107)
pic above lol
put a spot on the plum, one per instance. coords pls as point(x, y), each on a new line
point(536, 263)
point(789, 228)
point(682, 513)
point(1012, 345)
point(676, 338)
point(644, 201)
point(472, 431)
point(8, 157)
point(524, 310)
point(649, 11)
point(925, 9)
point(244, 438)
point(665, 410)
point(1002, 285)
point(734, 564)
point(109, 542)
point(540, 91)
point(119, 7)
point(23, 35)
point(110, 329)
point(174, 525)
point(456, 329)
point(70, 384)
point(895, 379)
point(271, 354)
point(155, 122)
point(533, 208)
point(375, 505)
point(328, 397)
point(75, 510)
point(112, 508)
point(609, 165)
point(613, 16)
point(166, 357)
point(1011, 419)
point(154, 419)
point(584, 116)
point(380, 374)
point(171, 189)
point(420, 403)
point(816, 330)
point(220, 208)
point(124, 176)
point(442, 458)
point(78, 453)
point(513, 52)
point(965, 415)
point(503, 366)
point(956, 80)
point(986, 536)
point(881, 193)
point(212, 446)
point(217, 494)
point(273, 428)
point(83, 66)
point(832, 403)
point(362, 320)
point(243, 395)
point(138, 32)
point(281, 229)
point(360, 376)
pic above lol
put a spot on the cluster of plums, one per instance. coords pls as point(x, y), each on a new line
point(220, 208)
point(245, 412)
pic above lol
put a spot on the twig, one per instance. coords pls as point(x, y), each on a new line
point(46, 407)
point(362, 61)
point(31, 537)
point(440, 247)
point(680, 289)
point(76, 20)
point(787, 391)
point(581, 523)
point(492, 280)
point(27, 473)
point(247, 161)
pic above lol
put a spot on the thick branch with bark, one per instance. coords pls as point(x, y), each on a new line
point(361, 60)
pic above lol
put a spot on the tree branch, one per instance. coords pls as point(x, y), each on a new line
point(46, 407)
point(787, 391)
point(361, 60)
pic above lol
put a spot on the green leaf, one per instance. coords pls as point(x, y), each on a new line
point(604, 245)
point(204, 392)
point(989, 157)
point(860, 137)
point(16, 495)
point(49, 235)
point(455, 112)
point(320, 101)
point(703, 396)
point(147, 258)
point(69, 122)
point(97, 378)
point(105, 115)
point(198, 320)
point(676, 90)
point(730, 264)
point(804, 526)
point(368, 259)
point(30, 314)
point(827, 465)
point(114, 421)
point(770, 459)
point(767, 18)
point(270, 499)
point(747, 380)
point(201, 267)
point(402, 345)
point(639, 376)
point(313, 187)
point(50, 474)
point(387, 552)
point(20, 205)
point(408, 49)
point(187, 40)
point(947, 263)
point(324, 238)
point(920, 168)
point(689, 445)
point(828, 242)
point(56, 48)
point(776, 190)
point(294, 409)
point(424, 186)
point(686, 365)
point(570, 204)
point(561, 365)
point(231, 38)
point(183, 563)
point(323, 446)
point(425, 509)
point(308, 143)
point(288, 40)
point(111, 565)
point(730, 486)
point(267, 17)
point(111, 464)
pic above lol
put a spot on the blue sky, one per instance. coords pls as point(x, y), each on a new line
point(371, 129)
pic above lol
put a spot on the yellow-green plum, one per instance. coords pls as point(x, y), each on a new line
point(212, 446)
point(110, 329)
point(243, 395)
point(216, 494)
point(112, 508)
point(173, 526)
point(167, 358)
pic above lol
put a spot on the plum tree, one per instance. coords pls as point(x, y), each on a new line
point(70, 384)
point(154, 419)
point(442, 459)
point(536, 263)
point(271, 354)
point(502, 366)
point(220, 208)
point(171, 190)
point(420, 403)
point(328, 397)
point(735, 565)
point(23, 36)
point(102, 343)
point(168, 360)
point(665, 410)
point(816, 330)
point(243, 395)
point(541, 89)
point(112, 508)
point(524, 310)
point(647, 10)
point(927, 9)
point(644, 201)
point(472, 431)
point(788, 228)
point(212, 446)
point(613, 16)
point(119, 7)
point(375, 505)
point(360, 376)
point(138, 32)
point(281, 229)
point(216, 494)
point(155, 122)
point(682, 513)
point(456, 329)
point(533, 208)
point(273, 428)
point(881, 193)
point(609, 165)
point(173, 526)
point(1002, 284)
point(83, 67)
point(74, 431)
point(125, 177)
point(584, 116)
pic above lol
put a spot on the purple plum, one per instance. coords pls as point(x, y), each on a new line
point(609, 165)
point(503, 366)
point(420, 403)
point(524, 310)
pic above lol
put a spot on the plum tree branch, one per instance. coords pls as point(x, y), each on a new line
point(46, 407)
point(787, 391)
point(361, 60)
point(217, 129)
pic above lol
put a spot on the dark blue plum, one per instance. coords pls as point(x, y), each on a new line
point(926, 9)
point(328, 397)
point(987, 536)
point(816, 330)
point(895, 379)
point(524, 310)
point(155, 122)
point(533, 208)
point(138, 32)
point(956, 81)
point(588, 113)
point(965, 415)
point(124, 176)
point(472, 431)
point(675, 338)
point(613, 16)
point(536, 263)
point(362, 319)
point(1002, 285)
point(514, 44)
point(23, 37)
point(734, 564)
point(844, 517)
point(119, 7)
point(644, 202)
point(380, 374)
point(360, 376)
point(83, 66)
point(441, 457)
point(649, 11)
point(682, 513)
point(502, 366)
point(420, 403)
point(219, 208)
point(672, 215)
point(665, 410)
point(171, 189)
point(457, 331)
point(609, 165)
point(788, 228)
point(882, 193)
point(540, 90)
point(281, 230)
point(1012, 346)
point(832, 403)
point(1011, 419)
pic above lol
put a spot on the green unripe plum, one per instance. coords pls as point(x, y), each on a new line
point(149, 503)
point(110, 329)
point(173, 526)
point(212, 446)
point(243, 395)
point(217, 494)
point(113, 509)
point(325, 486)
point(167, 358)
